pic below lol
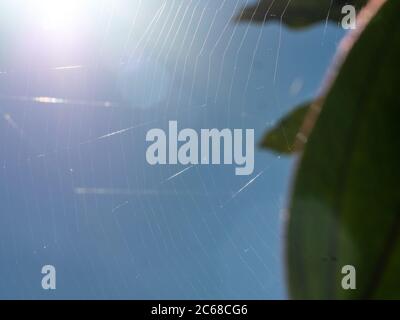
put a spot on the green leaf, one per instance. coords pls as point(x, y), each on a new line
point(345, 206)
point(284, 137)
point(296, 13)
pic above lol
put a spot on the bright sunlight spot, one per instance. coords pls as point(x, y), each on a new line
point(58, 15)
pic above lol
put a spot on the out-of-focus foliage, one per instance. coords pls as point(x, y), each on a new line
point(283, 137)
point(296, 13)
point(345, 202)
point(345, 206)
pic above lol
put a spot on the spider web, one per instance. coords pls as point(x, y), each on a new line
point(76, 191)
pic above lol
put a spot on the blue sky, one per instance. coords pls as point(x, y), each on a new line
point(78, 197)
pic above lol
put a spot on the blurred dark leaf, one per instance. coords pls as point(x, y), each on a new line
point(297, 13)
point(282, 138)
point(345, 206)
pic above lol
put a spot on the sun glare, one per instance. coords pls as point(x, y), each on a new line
point(58, 15)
